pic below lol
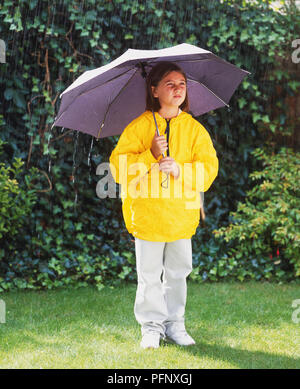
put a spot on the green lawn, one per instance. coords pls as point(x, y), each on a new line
point(235, 325)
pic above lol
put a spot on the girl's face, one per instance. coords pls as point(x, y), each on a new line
point(171, 90)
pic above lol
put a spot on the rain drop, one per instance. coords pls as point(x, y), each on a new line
point(48, 144)
point(76, 198)
point(89, 155)
point(74, 156)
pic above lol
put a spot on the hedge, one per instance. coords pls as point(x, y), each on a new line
point(70, 236)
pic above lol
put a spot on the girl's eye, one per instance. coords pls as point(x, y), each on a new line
point(172, 85)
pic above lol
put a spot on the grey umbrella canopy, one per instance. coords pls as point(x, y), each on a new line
point(103, 101)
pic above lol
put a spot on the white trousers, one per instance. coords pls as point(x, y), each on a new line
point(162, 269)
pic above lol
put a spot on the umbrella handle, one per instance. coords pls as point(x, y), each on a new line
point(157, 130)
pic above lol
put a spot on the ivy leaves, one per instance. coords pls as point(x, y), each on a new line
point(50, 45)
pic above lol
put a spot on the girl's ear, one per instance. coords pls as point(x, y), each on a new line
point(153, 89)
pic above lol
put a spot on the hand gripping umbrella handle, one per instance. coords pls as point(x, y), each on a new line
point(157, 131)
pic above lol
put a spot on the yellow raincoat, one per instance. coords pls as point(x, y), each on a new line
point(170, 212)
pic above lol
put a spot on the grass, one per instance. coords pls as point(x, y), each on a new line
point(235, 325)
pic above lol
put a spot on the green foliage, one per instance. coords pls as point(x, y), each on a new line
point(49, 44)
point(16, 201)
point(265, 229)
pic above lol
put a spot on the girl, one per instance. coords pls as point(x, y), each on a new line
point(161, 205)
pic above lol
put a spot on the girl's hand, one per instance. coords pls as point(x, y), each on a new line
point(159, 145)
point(169, 165)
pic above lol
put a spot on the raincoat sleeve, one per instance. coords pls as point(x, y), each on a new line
point(130, 158)
point(200, 174)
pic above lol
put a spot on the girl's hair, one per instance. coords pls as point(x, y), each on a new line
point(156, 74)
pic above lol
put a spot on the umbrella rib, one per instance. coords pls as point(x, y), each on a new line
point(82, 93)
point(199, 82)
point(120, 91)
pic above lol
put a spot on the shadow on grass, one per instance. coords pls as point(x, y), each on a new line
point(243, 359)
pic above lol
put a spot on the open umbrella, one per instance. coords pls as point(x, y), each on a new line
point(103, 101)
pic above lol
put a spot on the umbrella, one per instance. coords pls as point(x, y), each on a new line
point(103, 101)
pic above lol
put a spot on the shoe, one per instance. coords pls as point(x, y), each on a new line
point(178, 335)
point(182, 339)
point(150, 339)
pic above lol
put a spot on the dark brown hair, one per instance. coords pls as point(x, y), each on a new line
point(156, 74)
